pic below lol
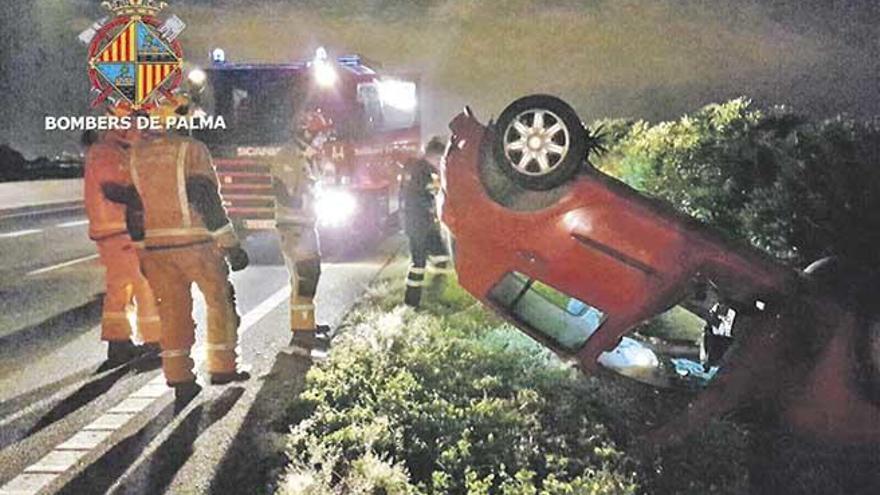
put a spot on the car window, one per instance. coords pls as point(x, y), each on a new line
point(563, 319)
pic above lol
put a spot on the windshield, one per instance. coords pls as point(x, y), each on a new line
point(389, 104)
point(257, 105)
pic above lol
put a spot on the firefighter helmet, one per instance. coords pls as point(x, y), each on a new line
point(175, 106)
point(314, 122)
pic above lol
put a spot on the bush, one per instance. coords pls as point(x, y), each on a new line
point(12, 164)
point(797, 189)
point(451, 400)
point(454, 408)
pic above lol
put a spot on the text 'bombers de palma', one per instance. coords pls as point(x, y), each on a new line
point(113, 123)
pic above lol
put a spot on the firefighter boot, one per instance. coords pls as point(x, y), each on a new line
point(231, 377)
point(306, 341)
point(415, 282)
point(184, 393)
point(120, 352)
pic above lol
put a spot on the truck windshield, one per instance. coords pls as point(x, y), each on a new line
point(564, 320)
point(389, 104)
point(257, 105)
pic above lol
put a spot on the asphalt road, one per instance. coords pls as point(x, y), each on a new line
point(66, 426)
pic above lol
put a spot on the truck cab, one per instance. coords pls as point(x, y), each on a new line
point(374, 127)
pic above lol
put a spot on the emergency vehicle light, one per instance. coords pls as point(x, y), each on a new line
point(218, 56)
point(325, 74)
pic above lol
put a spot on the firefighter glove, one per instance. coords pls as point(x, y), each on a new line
point(237, 258)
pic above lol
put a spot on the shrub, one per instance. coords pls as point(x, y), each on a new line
point(451, 400)
point(797, 189)
point(453, 403)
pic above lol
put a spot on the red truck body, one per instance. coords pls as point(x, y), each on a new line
point(367, 142)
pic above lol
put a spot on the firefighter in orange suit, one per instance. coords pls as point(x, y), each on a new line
point(187, 238)
point(294, 176)
point(106, 161)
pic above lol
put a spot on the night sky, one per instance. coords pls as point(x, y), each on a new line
point(651, 59)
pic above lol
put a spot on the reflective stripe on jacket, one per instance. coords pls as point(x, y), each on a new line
point(162, 167)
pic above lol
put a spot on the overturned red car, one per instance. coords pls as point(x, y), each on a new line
point(576, 259)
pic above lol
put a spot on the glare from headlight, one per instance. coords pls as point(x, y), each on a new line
point(400, 95)
point(325, 74)
point(335, 208)
point(197, 77)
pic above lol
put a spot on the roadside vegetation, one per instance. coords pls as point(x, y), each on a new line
point(796, 188)
point(15, 167)
point(451, 400)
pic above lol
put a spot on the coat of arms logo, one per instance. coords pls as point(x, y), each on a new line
point(135, 59)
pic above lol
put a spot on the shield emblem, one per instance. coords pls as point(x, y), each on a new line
point(137, 62)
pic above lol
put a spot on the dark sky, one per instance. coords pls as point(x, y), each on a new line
point(651, 59)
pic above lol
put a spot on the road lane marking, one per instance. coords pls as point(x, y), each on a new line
point(75, 223)
point(264, 308)
point(85, 442)
point(63, 265)
point(19, 233)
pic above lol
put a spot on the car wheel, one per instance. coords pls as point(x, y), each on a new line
point(540, 142)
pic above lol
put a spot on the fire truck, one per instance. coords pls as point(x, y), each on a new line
point(374, 127)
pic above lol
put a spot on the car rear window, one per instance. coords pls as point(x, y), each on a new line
point(564, 320)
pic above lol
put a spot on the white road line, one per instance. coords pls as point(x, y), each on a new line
point(75, 223)
point(264, 308)
point(63, 265)
point(89, 439)
point(19, 233)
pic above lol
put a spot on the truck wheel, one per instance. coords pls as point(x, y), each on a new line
point(540, 142)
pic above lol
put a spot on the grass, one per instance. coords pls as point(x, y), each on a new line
point(449, 399)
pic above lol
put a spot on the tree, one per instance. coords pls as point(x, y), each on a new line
point(12, 164)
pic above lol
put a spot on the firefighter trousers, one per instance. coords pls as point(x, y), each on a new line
point(126, 284)
point(302, 255)
point(425, 244)
point(171, 272)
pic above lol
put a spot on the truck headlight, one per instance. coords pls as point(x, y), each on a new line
point(335, 208)
point(325, 74)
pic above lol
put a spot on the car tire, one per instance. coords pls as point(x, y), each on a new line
point(540, 142)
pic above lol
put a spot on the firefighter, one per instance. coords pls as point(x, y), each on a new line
point(295, 174)
point(186, 236)
point(421, 225)
point(106, 161)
